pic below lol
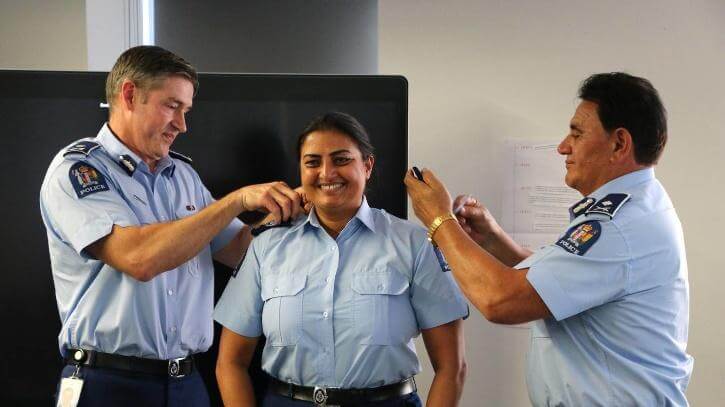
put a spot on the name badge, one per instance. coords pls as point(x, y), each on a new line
point(70, 392)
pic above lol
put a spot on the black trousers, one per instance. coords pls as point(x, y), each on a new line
point(110, 388)
point(276, 400)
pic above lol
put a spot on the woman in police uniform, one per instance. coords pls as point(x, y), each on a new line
point(341, 294)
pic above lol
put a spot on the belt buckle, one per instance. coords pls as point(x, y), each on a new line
point(319, 396)
point(175, 368)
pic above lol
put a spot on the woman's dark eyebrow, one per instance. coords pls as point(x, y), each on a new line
point(337, 152)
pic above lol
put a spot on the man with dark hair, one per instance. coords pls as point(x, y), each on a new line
point(132, 232)
point(609, 299)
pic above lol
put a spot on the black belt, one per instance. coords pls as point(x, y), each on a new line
point(321, 396)
point(173, 367)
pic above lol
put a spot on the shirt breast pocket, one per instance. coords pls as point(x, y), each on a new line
point(282, 310)
point(383, 314)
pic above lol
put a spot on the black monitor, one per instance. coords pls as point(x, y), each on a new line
point(242, 130)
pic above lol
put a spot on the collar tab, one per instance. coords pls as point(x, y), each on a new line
point(127, 163)
point(180, 156)
point(581, 206)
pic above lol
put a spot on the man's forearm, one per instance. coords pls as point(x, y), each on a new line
point(146, 251)
point(502, 294)
point(501, 246)
point(482, 278)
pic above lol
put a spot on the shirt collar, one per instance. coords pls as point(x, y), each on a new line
point(624, 183)
point(364, 214)
point(127, 159)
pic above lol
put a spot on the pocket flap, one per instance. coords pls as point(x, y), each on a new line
point(379, 282)
point(282, 285)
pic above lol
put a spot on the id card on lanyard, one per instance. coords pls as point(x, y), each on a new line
point(70, 391)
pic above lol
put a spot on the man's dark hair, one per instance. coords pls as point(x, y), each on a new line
point(147, 67)
point(632, 103)
point(342, 123)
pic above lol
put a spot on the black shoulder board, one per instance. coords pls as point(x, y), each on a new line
point(609, 205)
point(267, 226)
point(182, 157)
point(81, 147)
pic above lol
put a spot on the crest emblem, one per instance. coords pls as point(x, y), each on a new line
point(86, 179)
point(86, 176)
point(579, 239)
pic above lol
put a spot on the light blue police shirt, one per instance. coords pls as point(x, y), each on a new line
point(340, 312)
point(86, 191)
point(620, 309)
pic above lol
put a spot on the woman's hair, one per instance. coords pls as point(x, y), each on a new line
point(341, 123)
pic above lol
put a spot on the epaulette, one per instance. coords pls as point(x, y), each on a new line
point(256, 232)
point(81, 147)
point(609, 205)
point(441, 259)
point(182, 157)
point(267, 226)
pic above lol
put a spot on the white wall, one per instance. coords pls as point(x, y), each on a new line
point(43, 35)
point(484, 71)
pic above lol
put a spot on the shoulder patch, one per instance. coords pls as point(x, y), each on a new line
point(580, 238)
point(86, 180)
point(441, 259)
point(81, 147)
point(609, 205)
point(182, 157)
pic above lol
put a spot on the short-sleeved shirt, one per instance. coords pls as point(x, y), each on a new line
point(616, 285)
point(90, 186)
point(341, 312)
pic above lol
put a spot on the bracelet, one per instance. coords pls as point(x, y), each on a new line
point(437, 222)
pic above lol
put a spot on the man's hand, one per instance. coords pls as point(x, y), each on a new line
point(475, 219)
point(276, 198)
point(305, 204)
point(430, 197)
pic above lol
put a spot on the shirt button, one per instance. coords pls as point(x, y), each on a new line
point(380, 287)
point(173, 329)
point(276, 290)
point(327, 279)
point(325, 314)
point(170, 292)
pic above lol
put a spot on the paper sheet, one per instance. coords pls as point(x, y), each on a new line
point(536, 199)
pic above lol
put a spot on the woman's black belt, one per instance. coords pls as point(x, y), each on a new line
point(321, 396)
point(173, 367)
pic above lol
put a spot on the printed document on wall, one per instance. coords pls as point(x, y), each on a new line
point(536, 200)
